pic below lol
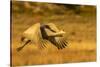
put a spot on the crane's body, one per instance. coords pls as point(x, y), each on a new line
point(40, 33)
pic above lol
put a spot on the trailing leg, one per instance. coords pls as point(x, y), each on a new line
point(20, 48)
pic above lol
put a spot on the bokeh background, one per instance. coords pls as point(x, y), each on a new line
point(78, 21)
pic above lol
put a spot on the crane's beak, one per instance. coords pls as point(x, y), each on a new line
point(62, 32)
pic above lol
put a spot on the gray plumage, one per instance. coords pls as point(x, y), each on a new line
point(40, 34)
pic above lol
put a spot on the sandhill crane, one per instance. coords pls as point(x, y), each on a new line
point(41, 33)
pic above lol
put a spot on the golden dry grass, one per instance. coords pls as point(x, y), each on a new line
point(80, 34)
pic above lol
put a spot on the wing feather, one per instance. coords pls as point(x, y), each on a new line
point(62, 43)
point(34, 34)
point(53, 27)
point(41, 42)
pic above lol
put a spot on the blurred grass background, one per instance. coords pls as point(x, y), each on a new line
point(78, 21)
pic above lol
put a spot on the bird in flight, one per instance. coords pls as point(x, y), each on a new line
point(41, 34)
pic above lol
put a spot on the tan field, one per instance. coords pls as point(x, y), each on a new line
point(80, 33)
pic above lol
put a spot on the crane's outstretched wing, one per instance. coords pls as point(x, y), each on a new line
point(34, 34)
point(62, 43)
point(53, 27)
point(55, 38)
point(59, 42)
